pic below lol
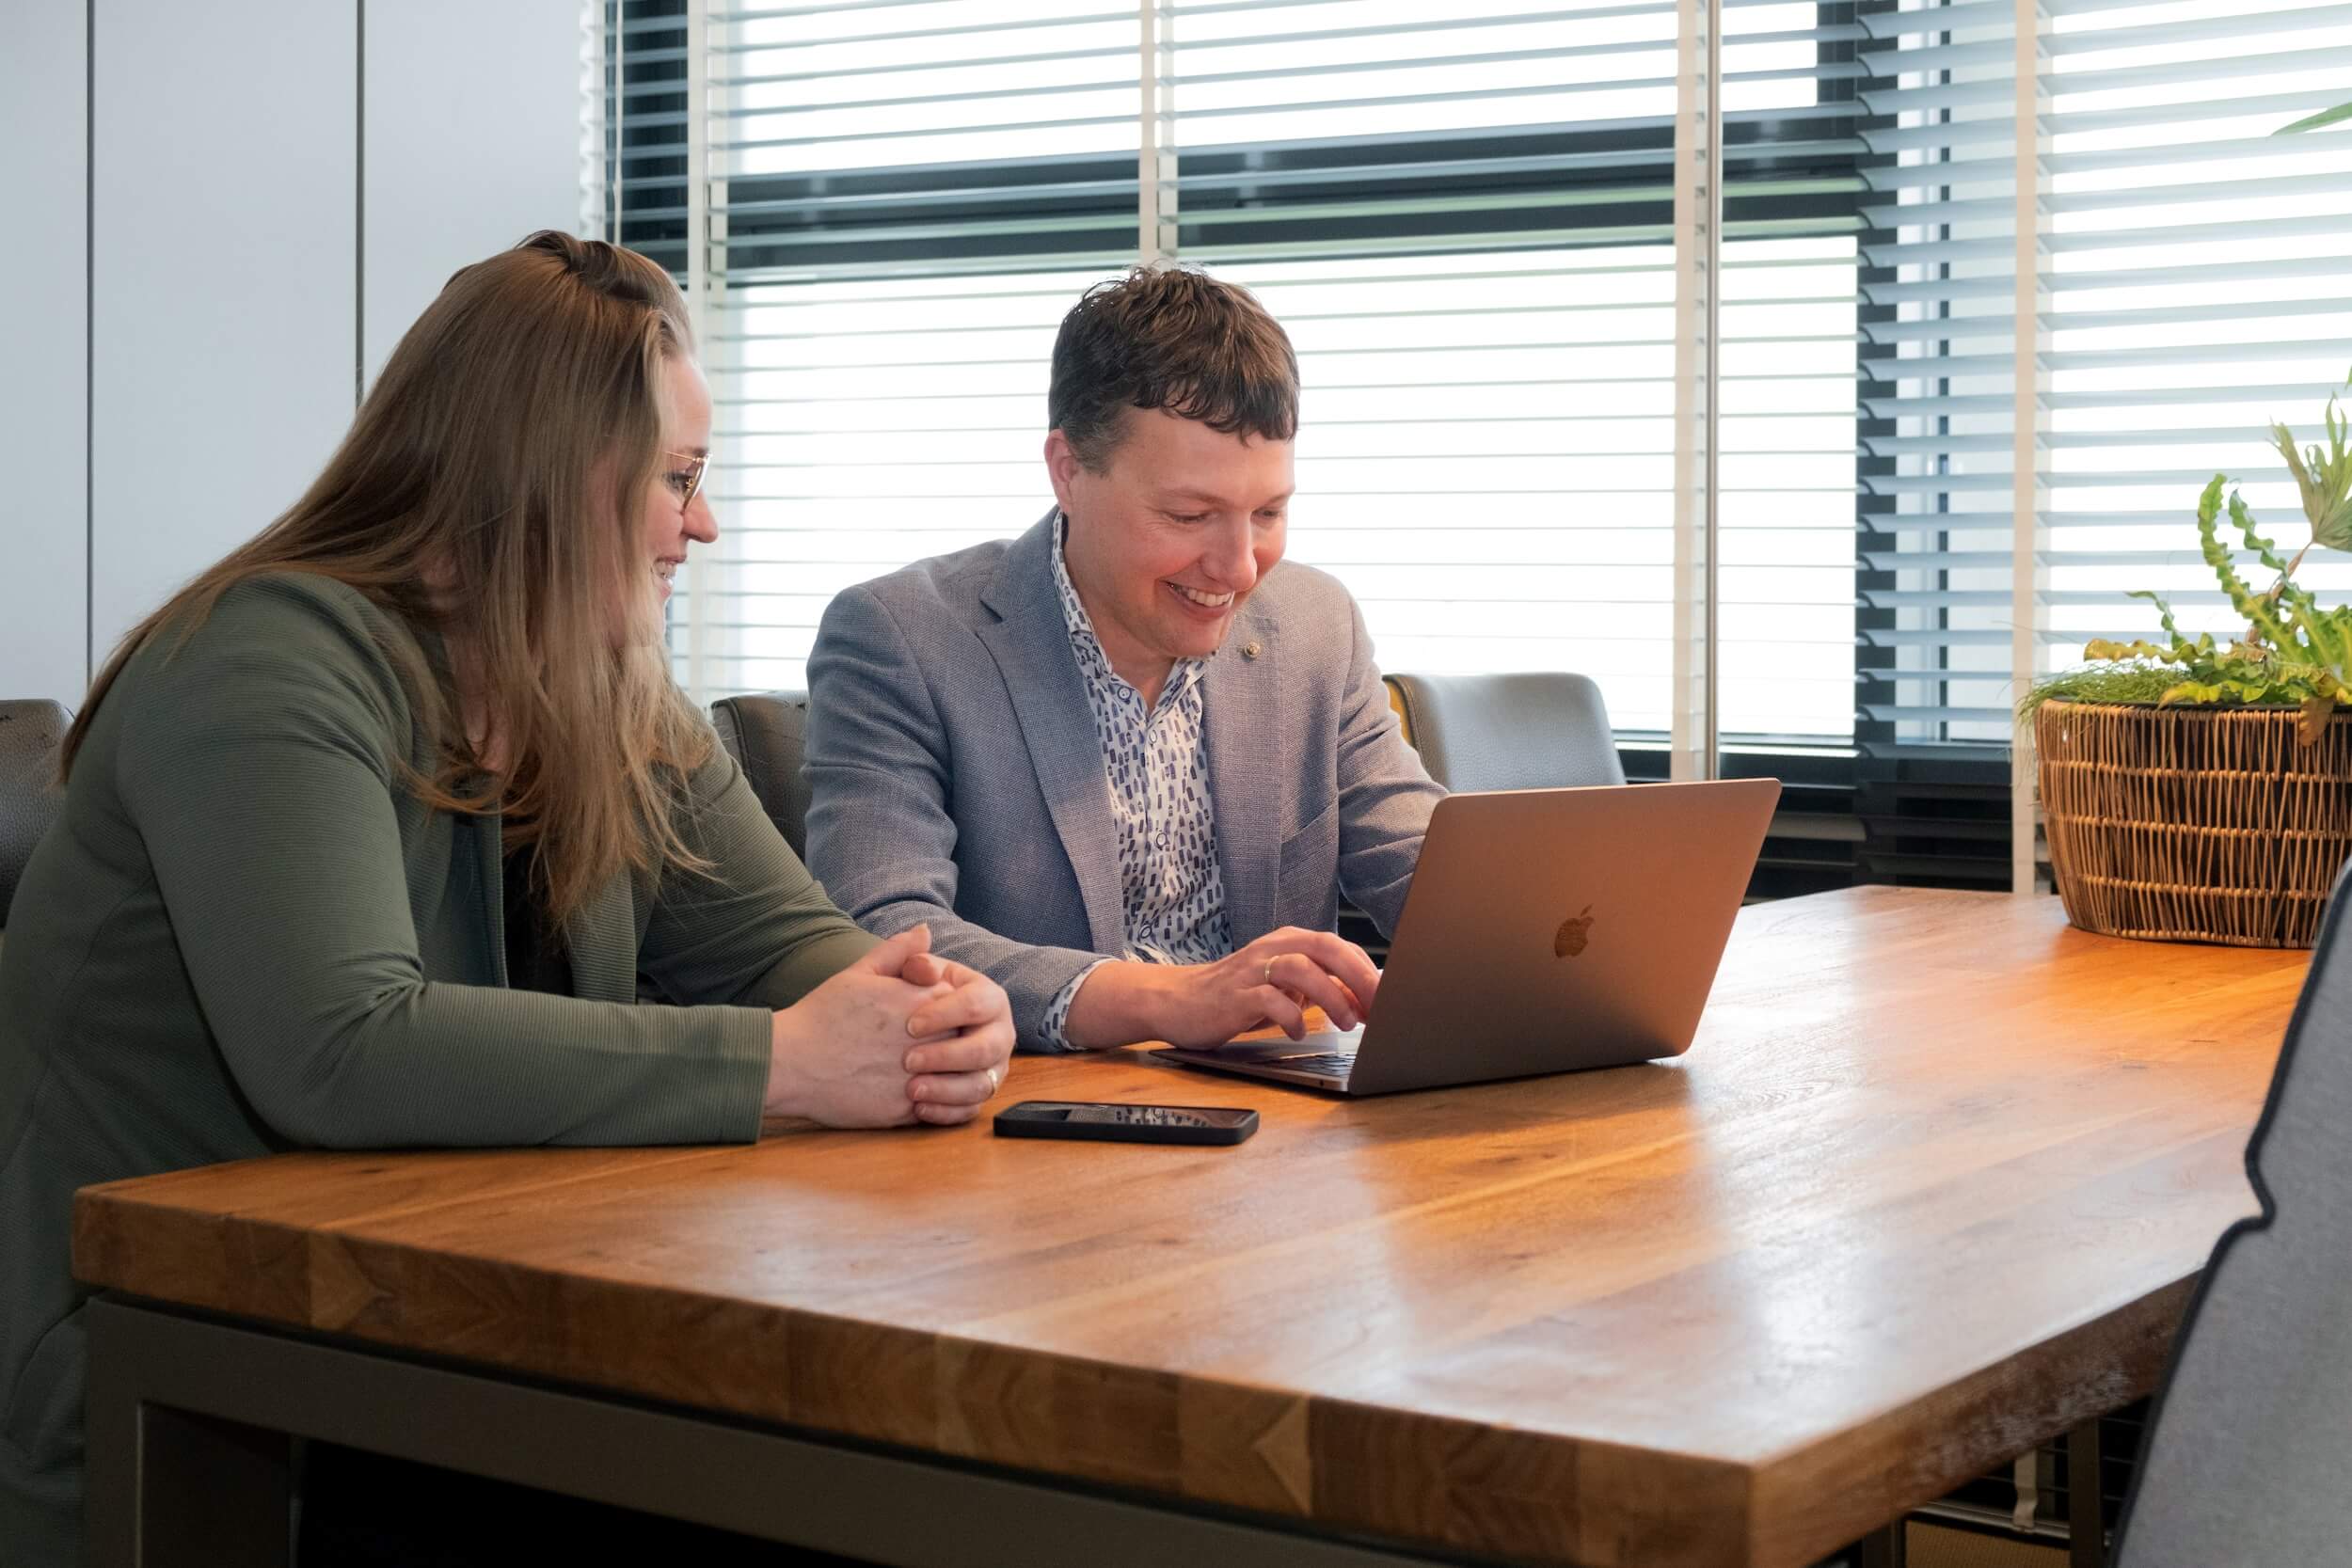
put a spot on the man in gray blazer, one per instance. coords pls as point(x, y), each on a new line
point(1125, 763)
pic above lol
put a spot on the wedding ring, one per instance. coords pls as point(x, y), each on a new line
point(1266, 976)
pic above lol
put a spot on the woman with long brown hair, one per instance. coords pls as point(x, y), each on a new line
point(374, 834)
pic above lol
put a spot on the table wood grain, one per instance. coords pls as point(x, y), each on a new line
point(1931, 1187)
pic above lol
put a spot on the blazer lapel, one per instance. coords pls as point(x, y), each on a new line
point(1030, 643)
point(1239, 714)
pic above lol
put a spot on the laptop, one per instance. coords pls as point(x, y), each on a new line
point(1547, 930)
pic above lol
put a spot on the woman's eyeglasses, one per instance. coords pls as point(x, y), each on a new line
point(688, 482)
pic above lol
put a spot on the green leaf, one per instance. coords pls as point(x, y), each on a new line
point(2101, 648)
point(2314, 122)
point(2257, 612)
point(2266, 551)
point(2320, 633)
point(2324, 480)
point(2164, 607)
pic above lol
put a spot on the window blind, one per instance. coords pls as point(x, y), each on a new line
point(2199, 286)
point(1787, 463)
point(642, 129)
point(1464, 220)
point(907, 196)
point(2188, 281)
point(1937, 382)
point(2194, 280)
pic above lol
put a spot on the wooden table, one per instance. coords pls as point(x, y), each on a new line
point(1931, 1189)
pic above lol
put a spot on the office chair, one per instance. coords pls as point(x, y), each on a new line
point(1538, 731)
point(2247, 1437)
point(1499, 731)
point(766, 734)
point(30, 733)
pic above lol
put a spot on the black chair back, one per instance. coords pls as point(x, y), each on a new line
point(766, 732)
point(2253, 1422)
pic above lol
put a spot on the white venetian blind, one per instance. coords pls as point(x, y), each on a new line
point(1786, 583)
point(638, 127)
point(1937, 372)
point(2201, 286)
point(2194, 280)
point(907, 196)
point(1464, 220)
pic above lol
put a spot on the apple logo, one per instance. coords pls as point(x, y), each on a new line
point(1574, 932)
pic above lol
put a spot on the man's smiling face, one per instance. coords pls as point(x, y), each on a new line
point(1170, 536)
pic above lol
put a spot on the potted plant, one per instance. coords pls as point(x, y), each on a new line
point(2201, 790)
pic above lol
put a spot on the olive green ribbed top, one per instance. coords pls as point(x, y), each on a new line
point(244, 935)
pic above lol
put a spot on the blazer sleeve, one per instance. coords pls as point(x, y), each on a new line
point(755, 930)
point(257, 764)
point(881, 829)
point(1386, 795)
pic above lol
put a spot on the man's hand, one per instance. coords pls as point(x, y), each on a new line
point(1271, 980)
point(898, 1036)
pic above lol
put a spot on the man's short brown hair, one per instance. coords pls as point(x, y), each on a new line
point(1176, 339)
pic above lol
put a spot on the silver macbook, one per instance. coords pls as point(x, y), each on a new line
point(1547, 930)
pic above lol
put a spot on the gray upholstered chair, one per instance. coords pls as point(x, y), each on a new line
point(766, 732)
point(1541, 731)
point(30, 733)
point(2253, 1422)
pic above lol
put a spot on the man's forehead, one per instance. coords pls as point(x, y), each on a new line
point(1182, 491)
point(1178, 459)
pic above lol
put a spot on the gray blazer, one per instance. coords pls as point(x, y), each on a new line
point(955, 776)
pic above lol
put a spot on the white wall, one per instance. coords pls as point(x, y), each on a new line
point(45, 516)
point(467, 150)
point(224, 170)
point(275, 188)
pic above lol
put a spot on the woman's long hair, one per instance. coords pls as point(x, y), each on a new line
point(491, 488)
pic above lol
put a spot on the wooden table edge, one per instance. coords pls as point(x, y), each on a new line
point(1768, 1512)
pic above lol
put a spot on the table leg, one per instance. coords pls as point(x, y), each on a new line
point(1882, 1548)
point(2086, 1527)
point(169, 1488)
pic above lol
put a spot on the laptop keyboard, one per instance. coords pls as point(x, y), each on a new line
point(1338, 1062)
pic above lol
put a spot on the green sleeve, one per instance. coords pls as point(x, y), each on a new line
point(755, 929)
point(256, 762)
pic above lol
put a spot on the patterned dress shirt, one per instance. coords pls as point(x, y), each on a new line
point(1170, 889)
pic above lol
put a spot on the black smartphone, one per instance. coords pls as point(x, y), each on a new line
point(1125, 1124)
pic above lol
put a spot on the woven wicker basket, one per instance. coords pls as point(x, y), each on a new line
point(2188, 824)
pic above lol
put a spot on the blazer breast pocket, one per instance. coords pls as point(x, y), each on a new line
point(1307, 888)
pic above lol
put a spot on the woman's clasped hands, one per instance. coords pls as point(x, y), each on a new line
point(900, 1037)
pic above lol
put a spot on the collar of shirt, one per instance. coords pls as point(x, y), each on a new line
point(1093, 662)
